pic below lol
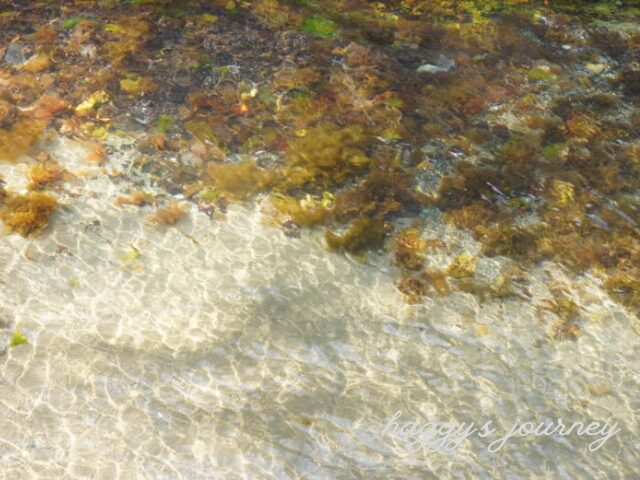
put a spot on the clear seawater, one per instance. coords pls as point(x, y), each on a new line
point(225, 350)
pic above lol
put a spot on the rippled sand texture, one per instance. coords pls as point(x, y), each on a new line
point(224, 349)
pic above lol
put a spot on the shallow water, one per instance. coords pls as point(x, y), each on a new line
point(227, 350)
point(234, 344)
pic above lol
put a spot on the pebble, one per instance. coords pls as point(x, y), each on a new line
point(596, 68)
point(14, 54)
point(443, 64)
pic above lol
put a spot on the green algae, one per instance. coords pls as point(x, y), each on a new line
point(71, 23)
point(164, 123)
point(18, 339)
point(551, 152)
point(394, 102)
point(542, 73)
point(321, 26)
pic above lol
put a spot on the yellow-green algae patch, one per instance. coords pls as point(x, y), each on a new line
point(305, 212)
point(18, 339)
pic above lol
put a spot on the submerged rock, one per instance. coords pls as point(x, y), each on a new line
point(630, 79)
point(442, 65)
point(14, 54)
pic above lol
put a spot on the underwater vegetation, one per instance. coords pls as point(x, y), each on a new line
point(27, 215)
point(365, 233)
point(410, 249)
point(462, 266)
point(326, 155)
point(306, 212)
point(137, 198)
point(18, 339)
point(239, 181)
point(17, 139)
point(45, 174)
point(515, 119)
point(169, 215)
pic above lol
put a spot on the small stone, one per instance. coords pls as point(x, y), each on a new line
point(37, 63)
point(14, 54)
point(443, 65)
point(207, 209)
point(596, 68)
point(598, 390)
point(291, 229)
point(482, 329)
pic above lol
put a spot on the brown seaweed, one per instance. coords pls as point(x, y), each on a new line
point(169, 215)
point(365, 233)
point(27, 215)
